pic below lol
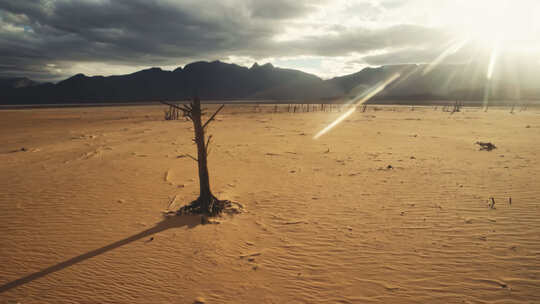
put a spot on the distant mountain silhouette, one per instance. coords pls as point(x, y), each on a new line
point(219, 81)
point(16, 83)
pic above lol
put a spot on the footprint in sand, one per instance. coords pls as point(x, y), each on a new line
point(173, 179)
point(91, 154)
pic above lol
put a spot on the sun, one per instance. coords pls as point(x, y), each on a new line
point(499, 24)
point(501, 27)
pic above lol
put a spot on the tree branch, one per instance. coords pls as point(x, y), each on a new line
point(195, 159)
point(186, 109)
point(213, 116)
point(181, 108)
point(208, 143)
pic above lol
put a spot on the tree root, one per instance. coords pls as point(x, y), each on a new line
point(215, 207)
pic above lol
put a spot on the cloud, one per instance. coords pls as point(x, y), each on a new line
point(51, 39)
point(281, 9)
point(364, 40)
point(123, 32)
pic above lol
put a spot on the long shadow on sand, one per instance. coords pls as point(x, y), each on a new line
point(167, 223)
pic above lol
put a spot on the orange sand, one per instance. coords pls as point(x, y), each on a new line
point(325, 220)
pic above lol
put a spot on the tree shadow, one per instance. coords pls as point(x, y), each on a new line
point(167, 223)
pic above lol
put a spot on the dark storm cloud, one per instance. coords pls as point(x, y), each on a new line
point(135, 31)
point(38, 35)
point(280, 9)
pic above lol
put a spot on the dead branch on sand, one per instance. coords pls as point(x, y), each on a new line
point(492, 205)
point(486, 146)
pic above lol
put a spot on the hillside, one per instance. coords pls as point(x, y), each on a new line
point(222, 81)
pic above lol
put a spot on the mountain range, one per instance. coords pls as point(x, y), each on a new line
point(224, 81)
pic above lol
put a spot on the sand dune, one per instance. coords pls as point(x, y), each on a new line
point(392, 206)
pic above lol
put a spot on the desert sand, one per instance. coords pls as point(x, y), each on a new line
point(391, 206)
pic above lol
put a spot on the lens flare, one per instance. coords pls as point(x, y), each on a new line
point(357, 101)
point(489, 73)
point(485, 100)
point(492, 61)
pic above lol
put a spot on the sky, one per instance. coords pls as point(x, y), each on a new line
point(50, 40)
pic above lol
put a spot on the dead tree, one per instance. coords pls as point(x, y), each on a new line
point(171, 114)
point(457, 107)
point(207, 203)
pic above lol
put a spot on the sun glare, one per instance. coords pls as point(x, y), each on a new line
point(512, 23)
point(494, 25)
point(497, 28)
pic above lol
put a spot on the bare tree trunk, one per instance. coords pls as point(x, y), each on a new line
point(206, 198)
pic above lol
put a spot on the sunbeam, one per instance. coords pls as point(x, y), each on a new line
point(492, 60)
point(485, 101)
point(489, 73)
